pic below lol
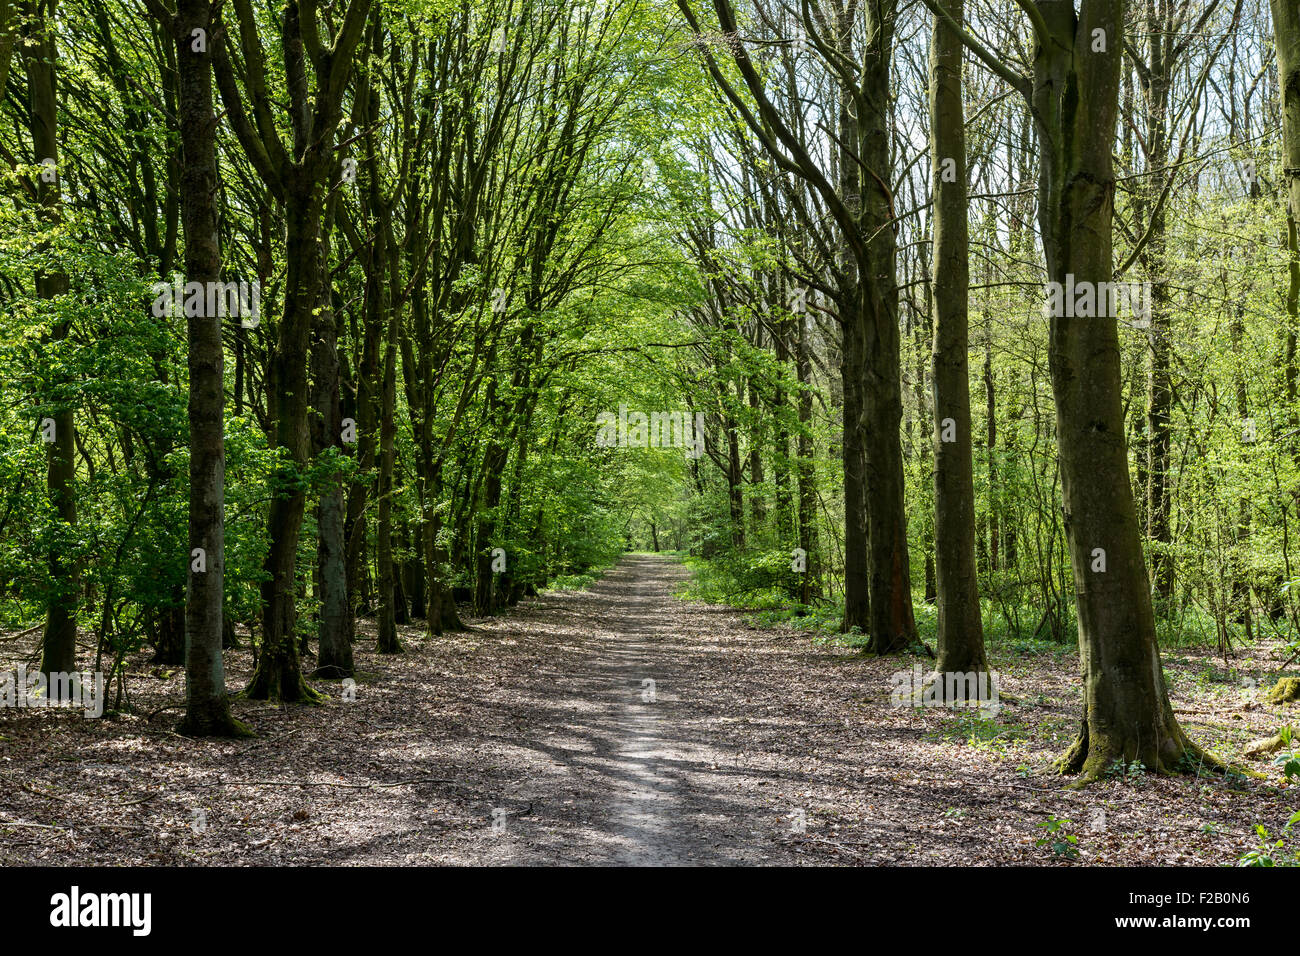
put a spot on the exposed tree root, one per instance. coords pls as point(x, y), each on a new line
point(287, 687)
point(214, 725)
point(331, 672)
point(981, 696)
point(1177, 756)
point(1264, 746)
point(1285, 691)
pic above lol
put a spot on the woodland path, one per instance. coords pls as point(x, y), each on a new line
point(532, 739)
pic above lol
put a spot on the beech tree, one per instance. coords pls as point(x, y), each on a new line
point(298, 177)
point(960, 636)
point(207, 710)
point(1074, 97)
point(57, 429)
point(482, 231)
point(1286, 27)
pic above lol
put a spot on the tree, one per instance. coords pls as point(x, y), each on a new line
point(1286, 29)
point(878, 597)
point(207, 709)
point(298, 178)
point(1074, 99)
point(960, 636)
point(59, 644)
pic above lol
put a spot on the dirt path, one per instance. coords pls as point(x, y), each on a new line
point(617, 725)
point(655, 790)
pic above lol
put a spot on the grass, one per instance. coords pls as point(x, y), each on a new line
point(576, 582)
point(757, 583)
point(978, 731)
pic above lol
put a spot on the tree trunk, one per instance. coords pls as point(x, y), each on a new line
point(414, 574)
point(757, 502)
point(991, 443)
point(857, 548)
point(279, 670)
point(59, 641)
point(781, 437)
point(334, 659)
point(960, 636)
point(1286, 26)
point(168, 633)
point(893, 627)
point(442, 615)
point(1286, 31)
point(810, 589)
point(858, 593)
point(485, 590)
point(1126, 710)
point(207, 708)
point(1156, 85)
point(735, 488)
point(387, 642)
point(299, 176)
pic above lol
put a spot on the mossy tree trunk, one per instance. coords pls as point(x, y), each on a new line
point(1126, 710)
point(893, 626)
point(810, 586)
point(334, 657)
point(1074, 100)
point(388, 642)
point(279, 669)
point(1286, 30)
point(1156, 76)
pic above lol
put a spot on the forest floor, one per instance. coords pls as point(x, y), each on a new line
point(623, 725)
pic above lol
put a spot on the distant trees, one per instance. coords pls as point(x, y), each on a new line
point(852, 183)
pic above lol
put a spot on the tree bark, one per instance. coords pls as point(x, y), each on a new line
point(1286, 27)
point(207, 707)
point(960, 637)
point(334, 657)
point(388, 642)
point(279, 669)
point(810, 588)
point(893, 627)
point(1156, 77)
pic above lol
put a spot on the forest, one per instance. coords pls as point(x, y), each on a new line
point(658, 432)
